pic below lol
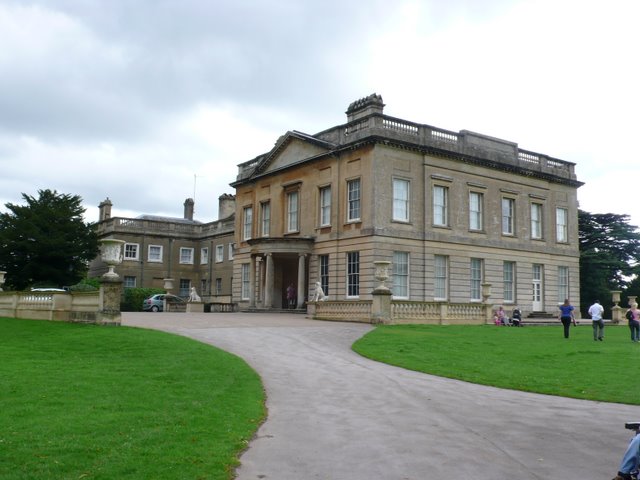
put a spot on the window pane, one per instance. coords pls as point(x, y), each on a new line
point(561, 224)
point(353, 198)
point(266, 219)
point(440, 201)
point(400, 274)
point(563, 283)
point(475, 211)
point(440, 277)
point(508, 281)
point(292, 225)
point(507, 216)
point(325, 207)
point(353, 274)
point(401, 200)
point(245, 281)
point(476, 279)
point(155, 253)
point(324, 273)
point(248, 221)
point(536, 220)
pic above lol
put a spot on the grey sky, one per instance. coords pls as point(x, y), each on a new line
point(140, 100)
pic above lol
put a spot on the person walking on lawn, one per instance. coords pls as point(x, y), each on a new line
point(566, 316)
point(596, 310)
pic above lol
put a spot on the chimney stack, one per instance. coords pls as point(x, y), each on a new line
point(226, 205)
point(188, 209)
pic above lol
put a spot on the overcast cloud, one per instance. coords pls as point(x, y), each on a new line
point(151, 102)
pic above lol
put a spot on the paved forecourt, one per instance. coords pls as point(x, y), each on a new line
point(334, 415)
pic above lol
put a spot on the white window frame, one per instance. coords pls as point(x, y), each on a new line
point(509, 282)
point(244, 293)
point(476, 200)
point(131, 251)
point(325, 206)
point(204, 255)
point(157, 257)
point(562, 225)
point(563, 283)
point(440, 206)
point(475, 279)
point(129, 281)
point(536, 221)
point(265, 219)
point(508, 207)
point(293, 209)
point(440, 277)
point(353, 274)
point(401, 195)
point(400, 275)
point(247, 223)
point(219, 253)
point(354, 192)
point(186, 255)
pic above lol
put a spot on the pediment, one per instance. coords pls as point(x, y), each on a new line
point(291, 149)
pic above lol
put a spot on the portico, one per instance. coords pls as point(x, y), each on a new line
point(275, 264)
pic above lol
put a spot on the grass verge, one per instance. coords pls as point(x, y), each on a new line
point(89, 402)
point(533, 359)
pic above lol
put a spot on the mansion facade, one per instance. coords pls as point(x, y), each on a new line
point(192, 253)
point(450, 210)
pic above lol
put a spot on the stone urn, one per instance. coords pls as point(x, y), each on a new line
point(111, 250)
point(381, 274)
point(2, 274)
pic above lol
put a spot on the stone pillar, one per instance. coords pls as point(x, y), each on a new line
point(381, 306)
point(260, 281)
point(301, 282)
point(252, 282)
point(616, 310)
point(268, 282)
point(110, 293)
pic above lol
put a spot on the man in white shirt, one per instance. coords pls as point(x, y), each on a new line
point(596, 310)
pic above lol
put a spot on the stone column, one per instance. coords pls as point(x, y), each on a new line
point(260, 281)
point(252, 282)
point(301, 282)
point(268, 282)
point(110, 292)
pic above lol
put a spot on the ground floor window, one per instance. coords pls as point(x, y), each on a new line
point(563, 284)
point(185, 286)
point(508, 281)
point(245, 281)
point(218, 286)
point(129, 281)
point(324, 273)
point(353, 274)
point(440, 277)
point(400, 274)
point(475, 274)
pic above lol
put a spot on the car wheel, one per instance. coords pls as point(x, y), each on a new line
point(155, 308)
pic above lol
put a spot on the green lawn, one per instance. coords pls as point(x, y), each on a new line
point(533, 359)
point(89, 402)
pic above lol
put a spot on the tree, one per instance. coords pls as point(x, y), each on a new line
point(609, 251)
point(46, 241)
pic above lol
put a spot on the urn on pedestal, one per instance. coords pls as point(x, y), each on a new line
point(111, 254)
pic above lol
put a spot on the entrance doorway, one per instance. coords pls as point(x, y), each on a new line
point(537, 288)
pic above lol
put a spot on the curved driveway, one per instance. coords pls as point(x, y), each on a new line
point(334, 415)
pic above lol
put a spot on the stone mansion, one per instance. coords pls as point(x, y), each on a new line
point(450, 211)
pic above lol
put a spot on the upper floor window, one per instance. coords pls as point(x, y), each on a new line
point(440, 205)
point(204, 255)
point(508, 219)
point(325, 206)
point(562, 217)
point(265, 223)
point(186, 255)
point(247, 222)
point(353, 200)
point(353, 274)
point(154, 253)
point(292, 212)
point(219, 253)
point(475, 210)
point(536, 220)
point(131, 251)
point(400, 200)
point(232, 247)
point(400, 274)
